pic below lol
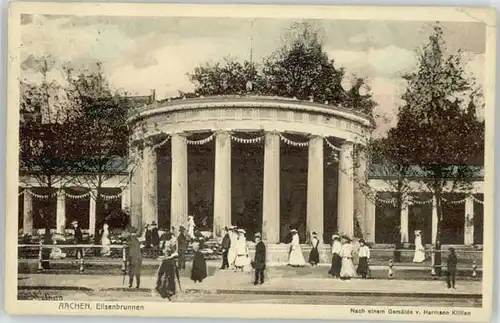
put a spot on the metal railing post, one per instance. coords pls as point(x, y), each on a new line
point(124, 259)
point(40, 265)
point(474, 268)
point(391, 271)
point(433, 261)
point(81, 261)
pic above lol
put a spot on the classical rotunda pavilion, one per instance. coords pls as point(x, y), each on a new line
point(268, 164)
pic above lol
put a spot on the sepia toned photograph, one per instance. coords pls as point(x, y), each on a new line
point(186, 160)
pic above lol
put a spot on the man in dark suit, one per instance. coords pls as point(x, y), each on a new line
point(78, 239)
point(155, 236)
point(182, 246)
point(134, 259)
point(147, 236)
point(259, 263)
point(226, 244)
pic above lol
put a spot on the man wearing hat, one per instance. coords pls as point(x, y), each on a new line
point(259, 263)
point(78, 239)
point(155, 236)
point(226, 244)
point(182, 246)
point(134, 258)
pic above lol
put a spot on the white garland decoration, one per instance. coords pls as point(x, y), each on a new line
point(78, 197)
point(293, 143)
point(39, 196)
point(247, 141)
point(332, 146)
point(111, 197)
point(202, 141)
point(162, 143)
point(477, 200)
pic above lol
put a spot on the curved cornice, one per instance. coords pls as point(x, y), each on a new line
point(248, 102)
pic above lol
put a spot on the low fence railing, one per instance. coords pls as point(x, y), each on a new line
point(80, 258)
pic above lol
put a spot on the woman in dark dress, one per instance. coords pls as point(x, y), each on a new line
point(314, 254)
point(199, 269)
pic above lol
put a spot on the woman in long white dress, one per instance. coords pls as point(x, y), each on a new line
point(296, 258)
point(419, 255)
point(242, 257)
point(347, 271)
point(105, 242)
point(190, 227)
point(231, 253)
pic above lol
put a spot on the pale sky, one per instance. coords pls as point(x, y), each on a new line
point(144, 53)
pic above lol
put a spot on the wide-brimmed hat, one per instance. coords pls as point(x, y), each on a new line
point(241, 231)
point(335, 236)
point(314, 233)
point(257, 235)
point(181, 228)
point(74, 222)
point(153, 223)
point(293, 231)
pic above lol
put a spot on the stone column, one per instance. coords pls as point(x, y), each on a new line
point(345, 217)
point(434, 220)
point(136, 189)
point(222, 183)
point(179, 190)
point(27, 211)
point(360, 187)
point(315, 181)
point(271, 198)
point(61, 211)
point(149, 196)
point(126, 197)
point(92, 211)
point(370, 220)
point(404, 222)
point(469, 221)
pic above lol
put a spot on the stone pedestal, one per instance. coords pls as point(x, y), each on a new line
point(149, 191)
point(27, 211)
point(469, 221)
point(404, 223)
point(92, 211)
point(222, 183)
point(179, 190)
point(61, 211)
point(136, 190)
point(271, 199)
point(345, 217)
point(434, 220)
point(315, 201)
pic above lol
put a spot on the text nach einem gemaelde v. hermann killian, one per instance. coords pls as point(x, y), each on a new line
point(405, 311)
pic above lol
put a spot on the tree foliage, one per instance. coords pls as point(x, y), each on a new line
point(300, 69)
point(438, 130)
point(47, 139)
